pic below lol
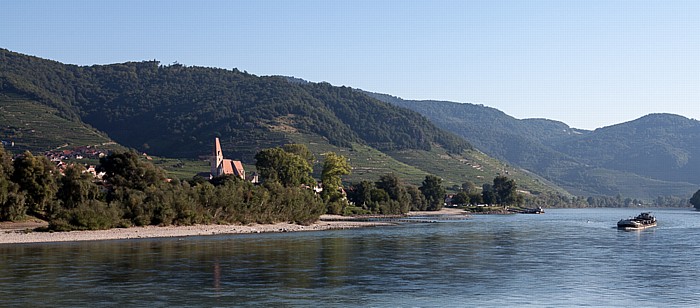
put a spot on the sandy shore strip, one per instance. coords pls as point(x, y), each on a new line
point(10, 235)
point(21, 232)
point(447, 211)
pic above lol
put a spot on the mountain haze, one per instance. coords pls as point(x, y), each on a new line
point(656, 155)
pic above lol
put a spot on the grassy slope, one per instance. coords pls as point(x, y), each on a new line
point(36, 127)
point(411, 166)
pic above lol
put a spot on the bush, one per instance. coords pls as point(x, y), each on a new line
point(14, 207)
point(90, 215)
point(355, 210)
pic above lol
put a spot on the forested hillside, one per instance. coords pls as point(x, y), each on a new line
point(176, 111)
point(657, 155)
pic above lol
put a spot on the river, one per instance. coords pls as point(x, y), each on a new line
point(566, 257)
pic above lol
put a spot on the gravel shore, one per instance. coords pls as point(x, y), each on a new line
point(14, 235)
point(22, 232)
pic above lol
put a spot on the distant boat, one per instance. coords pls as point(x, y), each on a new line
point(642, 221)
point(537, 210)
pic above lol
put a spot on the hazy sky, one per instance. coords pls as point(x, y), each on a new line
point(586, 63)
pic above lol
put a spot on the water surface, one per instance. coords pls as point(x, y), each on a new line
point(562, 258)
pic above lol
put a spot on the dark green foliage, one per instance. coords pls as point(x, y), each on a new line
point(695, 200)
point(387, 196)
point(175, 111)
point(89, 215)
point(139, 195)
point(418, 202)
point(461, 198)
point(296, 204)
point(125, 169)
point(476, 198)
point(6, 168)
point(383, 126)
point(361, 194)
point(488, 195)
point(396, 189)
point(290, 169)
point(10, 207)
point(36, 176)
point(505, 191)
point(434, 192)
point(301, 150)
point(37, 127)
point(77, 187)
point(469, 187)
point(14, 206)
point(192, 104)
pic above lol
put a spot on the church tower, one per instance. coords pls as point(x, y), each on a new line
point(217, 160)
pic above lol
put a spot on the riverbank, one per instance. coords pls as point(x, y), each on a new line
point(8, 236)
point(22, 232)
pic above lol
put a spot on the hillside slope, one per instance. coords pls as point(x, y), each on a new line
point(656, 155)
point(30, 126)
point(176, 111)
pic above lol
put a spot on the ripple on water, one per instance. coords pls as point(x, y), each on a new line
point(561, 258)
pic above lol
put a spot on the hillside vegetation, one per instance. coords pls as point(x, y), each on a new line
point(656, 155)
point(36, 127)
point(175, 111)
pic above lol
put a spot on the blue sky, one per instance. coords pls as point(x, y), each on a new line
point(586, 63)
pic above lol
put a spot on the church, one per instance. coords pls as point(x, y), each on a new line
point(221, 166)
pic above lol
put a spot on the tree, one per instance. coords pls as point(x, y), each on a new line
point(695, 200)
point(488, 196)
point(301, 150)
point(460, 198)
point(5, 163)
point(476, 198)
point(77, 187)
point(6, 170)
point(126, 169)
point(505, 190)
point(361, 194)
point(12, 201)
point(334, 166)
point(434, 192)
point(469, 187)
point(418, 202)
point(289, 169)
point(396, 190)
point(15, 206)
point(36, 176)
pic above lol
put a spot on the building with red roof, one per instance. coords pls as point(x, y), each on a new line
point(221, 166)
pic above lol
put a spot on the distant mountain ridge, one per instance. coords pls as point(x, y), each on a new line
point(192, 103)
point(176, 111)
point(656, 155)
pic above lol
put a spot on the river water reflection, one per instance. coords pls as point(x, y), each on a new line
point(562, 258)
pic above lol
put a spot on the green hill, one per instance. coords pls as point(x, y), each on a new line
point(657, 155)
point(36, 127)
point(175, 112)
